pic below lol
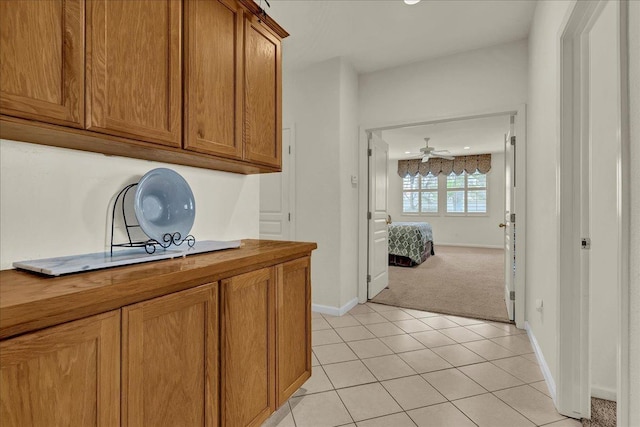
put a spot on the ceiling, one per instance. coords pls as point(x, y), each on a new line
point(481, 135)
point(377, 34)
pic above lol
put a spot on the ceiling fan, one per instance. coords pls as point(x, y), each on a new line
point(430, 152)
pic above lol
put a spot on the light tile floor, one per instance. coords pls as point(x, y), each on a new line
point(381, 366)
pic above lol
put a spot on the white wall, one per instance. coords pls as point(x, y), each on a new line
point(348, 191)
point(634, 255)
point(604, 101)
point(542, 143)
point(457, 85)
point(459, 230)
point(322, 103)
point(55, 201)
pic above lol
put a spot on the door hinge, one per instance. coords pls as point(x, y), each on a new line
point(289, 149)
point(513, 140)
point(370, 152)
point(513, 217)
point(512, 295)
point(368, 278)
point(368, 215)
point(585, 243)
point(289, 216)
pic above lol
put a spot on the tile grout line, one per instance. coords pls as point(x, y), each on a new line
point(399, 353)
point(515, 409)
point(378, 381)
point(291, 412)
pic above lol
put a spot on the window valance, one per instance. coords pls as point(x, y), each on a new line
point(436, 166)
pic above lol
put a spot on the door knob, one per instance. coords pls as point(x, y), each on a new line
point(502, 225)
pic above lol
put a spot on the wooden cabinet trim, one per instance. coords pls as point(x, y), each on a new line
point(257, 11)
point(47, 134)
point(69, 110)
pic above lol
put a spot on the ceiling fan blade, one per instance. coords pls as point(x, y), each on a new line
point(442, 156)
point(441, 152)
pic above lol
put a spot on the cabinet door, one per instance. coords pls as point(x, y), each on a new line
point(67, 375)
point(248, 350)
point(293, 327)
point(213, 77)
point(170, 360)
point(42, 60)
point(262, 94)
point(134, 80)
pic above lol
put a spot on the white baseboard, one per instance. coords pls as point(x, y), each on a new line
point(334, 311)
point(605, 393)
point(551, 384)
point(465, 245)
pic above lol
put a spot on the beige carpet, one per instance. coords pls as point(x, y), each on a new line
point(603, 414)
point(457, 280)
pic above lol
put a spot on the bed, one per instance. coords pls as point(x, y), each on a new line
point(410, 243)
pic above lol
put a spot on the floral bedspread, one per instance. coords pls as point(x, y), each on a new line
point(409, 239)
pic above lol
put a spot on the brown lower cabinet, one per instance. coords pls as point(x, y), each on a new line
point(67, 375)
point(266, 340)
point(170, 360)
point(293, 326)
point(248, 353)
point(224, 353)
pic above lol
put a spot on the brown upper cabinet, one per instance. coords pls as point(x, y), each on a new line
point(262, 94)
point(213, 77)
point(134, 69)
point(42, 60)
point(107, 76)
point(232, 83)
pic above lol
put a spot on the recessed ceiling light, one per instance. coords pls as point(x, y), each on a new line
point(407, 152)
point(467, 148)
point(411, 1)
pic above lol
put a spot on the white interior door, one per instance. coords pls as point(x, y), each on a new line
point(277, 196)
point(509, 225)
point(378, 270)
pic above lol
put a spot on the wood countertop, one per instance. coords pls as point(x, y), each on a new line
point(29, 302)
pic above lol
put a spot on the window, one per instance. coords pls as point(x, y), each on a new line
point(420, 194)
point(467, 193)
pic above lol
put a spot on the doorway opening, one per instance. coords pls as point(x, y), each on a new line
point(594, 197)
point(463, 205)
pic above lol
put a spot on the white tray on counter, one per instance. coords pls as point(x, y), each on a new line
point(87, 262)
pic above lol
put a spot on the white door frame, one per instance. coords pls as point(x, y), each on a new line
point(573, 385)
point(363, 176)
